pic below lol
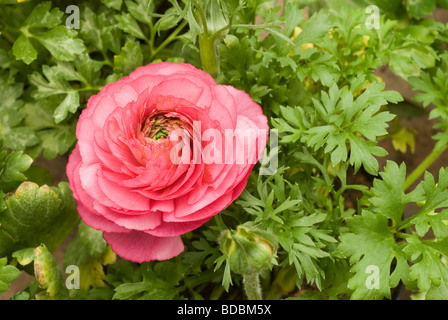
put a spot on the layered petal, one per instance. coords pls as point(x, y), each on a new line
point(139, 246)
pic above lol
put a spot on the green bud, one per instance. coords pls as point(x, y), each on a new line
point(212, 23)
point(48, 275)
point(216, 16)
point(249, 250)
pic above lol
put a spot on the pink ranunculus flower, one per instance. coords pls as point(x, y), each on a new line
point(134, 176)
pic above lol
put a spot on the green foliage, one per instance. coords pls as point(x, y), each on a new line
point(314, 73)
point(7, 274)
point(34, 215)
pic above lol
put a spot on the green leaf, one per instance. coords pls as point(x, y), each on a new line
point(128, 24)
point(389, 198)
point(142, 10)
point(41, 16)
point(10, 92)
point(36, 215)
point(389, 6)
point(23, 49)
point(352, 125)
point(420, 8)
point(280, 35)
point(58, 140)
point(293, 17)
point(371, 246)
point(427, 266)
point(442, 4)
point(408, 61)
point(115, 4)
point(129, 59)
point(96, 245)
point(98, 33)
point(19, 138)
point(24, 256)
point(435, 198)
point(70, 104)
point(15, 135)
point(436, 194)
point(61, 43)
point(363, 152)
point(43, 25)
point(55, 139)
point(7, 274)
point(402, 139)
point(12, 170)
point(56, 82)
point(316, 27)
point(158, 283)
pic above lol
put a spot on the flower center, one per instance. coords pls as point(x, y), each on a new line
point(158, 126)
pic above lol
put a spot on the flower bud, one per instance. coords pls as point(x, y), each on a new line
point(249, 250)
point(212, 23)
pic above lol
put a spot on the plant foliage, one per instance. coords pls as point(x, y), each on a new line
point(312, 66)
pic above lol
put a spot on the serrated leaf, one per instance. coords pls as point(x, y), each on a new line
point(70, 104)
point(42, 16)
point(141, 10)
point(377, 252)
point(426, 267)
point(23, 49)
point(388, 197)
point(98, 33)
point(403, 139)
point(420, 8)
point(128, 24)
point(61, 43)
point(115, 4)
point(316, 27)
point(12, 170)
point(56, 83)
point(93, 239)
point(362, 154)
point(129, 59)
point(409, 61)
point(19, 138)
point(436, 194)
point(153, 287)
point(57, 141)
point(36, 215)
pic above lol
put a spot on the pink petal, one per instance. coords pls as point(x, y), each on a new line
point(185, 89)
point(170, 229)
point(247, 107)
point(147, 221)
point(141, 247)
point(123, 197)
point(99, 222)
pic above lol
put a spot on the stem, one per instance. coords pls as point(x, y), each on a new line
point(88, 88)
point(209, 58)
point(170, 38)
point(8, 37)
point(423, 166)
point(201, 17)
point(252, 287)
